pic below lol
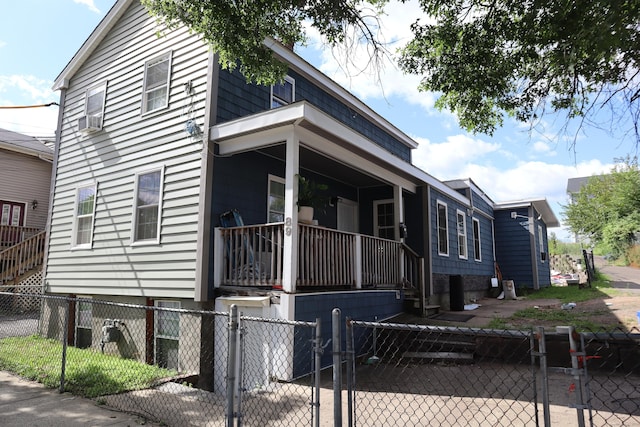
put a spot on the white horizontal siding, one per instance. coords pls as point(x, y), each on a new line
point(130, 143)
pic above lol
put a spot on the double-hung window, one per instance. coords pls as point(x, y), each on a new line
point(157, 73)
point(167, 332)
point(148, 206)
point(283, 93)
point(84, 215)
point(275, 208)
point(93, 108)
point(443, 229)
point(462, 234)
point(543, 253)
point(84, 318)
point(477, 254)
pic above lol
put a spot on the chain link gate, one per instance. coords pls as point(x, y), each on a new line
point(406, 375)
point(273, 372)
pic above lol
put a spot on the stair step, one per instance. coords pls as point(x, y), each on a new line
point(448, 355)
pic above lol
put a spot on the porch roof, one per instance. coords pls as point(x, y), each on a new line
point(540, 205)
point(324, 134)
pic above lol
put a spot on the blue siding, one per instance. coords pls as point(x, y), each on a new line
point(452, 264)
point(362, 305)
point(237, 99)
point(513, 247)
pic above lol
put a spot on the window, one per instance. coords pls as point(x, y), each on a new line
point(146, 227)
point(156, 83)
point(443, 230)
point(84, 317)
point(384, 224)
point(283, 93)
point(462, 234)
point(275, 203)
point(477, 255)
point(543, 253)
point(93, 108)
point(167, 333)
point(84, 213)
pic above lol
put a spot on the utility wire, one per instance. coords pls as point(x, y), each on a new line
point(30, 106)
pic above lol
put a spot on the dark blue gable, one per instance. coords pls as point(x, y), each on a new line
point(237, 99)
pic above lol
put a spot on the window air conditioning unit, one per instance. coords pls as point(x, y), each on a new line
point(89, 123)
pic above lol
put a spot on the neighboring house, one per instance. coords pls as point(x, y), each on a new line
point(522, 247)
point(176, 186)
point(25, 185)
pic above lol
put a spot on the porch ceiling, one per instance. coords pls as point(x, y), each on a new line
point(330, 144)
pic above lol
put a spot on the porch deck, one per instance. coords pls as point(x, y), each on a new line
point(253, 256)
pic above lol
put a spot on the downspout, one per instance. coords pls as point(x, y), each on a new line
point(52, 185)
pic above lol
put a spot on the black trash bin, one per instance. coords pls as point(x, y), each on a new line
point(456, 293)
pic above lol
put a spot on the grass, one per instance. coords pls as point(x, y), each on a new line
point(582, 320)
point(88, 373)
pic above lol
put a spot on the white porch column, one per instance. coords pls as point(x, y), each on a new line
point(398, 213)
point(290, 262)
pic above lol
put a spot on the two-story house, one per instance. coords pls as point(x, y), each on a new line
point(176, 185)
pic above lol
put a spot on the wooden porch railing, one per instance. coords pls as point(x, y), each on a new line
point(253, 256)
point(326, 257)
point(22, 251)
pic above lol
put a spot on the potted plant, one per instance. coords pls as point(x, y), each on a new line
point(309, 198)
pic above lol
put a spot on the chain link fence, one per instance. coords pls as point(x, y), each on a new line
point(174, 366)
point(415, 375)
point(185, 367)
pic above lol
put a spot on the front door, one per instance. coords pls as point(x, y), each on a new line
point(347, 215)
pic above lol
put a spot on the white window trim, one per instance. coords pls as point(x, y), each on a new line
point(78, 326)
point(169, 57)
point(280, 100)
point(446, 226)
point(103, 87)
point(176, 305)
point(462, 234)
point(134, 219)
point(74, 231)
point(376, 203)
point(277, 179)
point(477, 256)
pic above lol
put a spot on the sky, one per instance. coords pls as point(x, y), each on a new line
point(39, 37)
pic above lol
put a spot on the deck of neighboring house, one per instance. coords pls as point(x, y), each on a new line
point(21, 254)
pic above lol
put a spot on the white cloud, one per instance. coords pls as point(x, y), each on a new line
point(16, 90)
point(89, 3)
point(2, 44)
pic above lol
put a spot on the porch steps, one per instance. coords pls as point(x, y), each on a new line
point(443, 347)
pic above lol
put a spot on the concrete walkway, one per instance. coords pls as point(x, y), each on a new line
point(29, 404)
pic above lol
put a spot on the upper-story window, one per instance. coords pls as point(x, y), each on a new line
point(157, 73)
point(443, 230)
point(283, 93)
point(84, 214)
point(147, 208)
point(93, 108)
point(462, 234)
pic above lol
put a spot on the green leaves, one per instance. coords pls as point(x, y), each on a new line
point(237, 29)
point(490, 59)
point(607, 208)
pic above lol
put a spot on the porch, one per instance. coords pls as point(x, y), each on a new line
point(21, 253)
point(327, 259)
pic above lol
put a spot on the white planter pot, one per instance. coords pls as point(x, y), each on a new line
point(305, 214)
